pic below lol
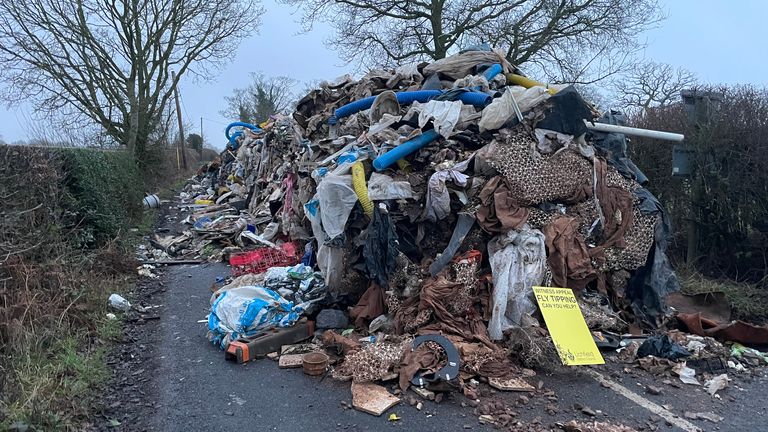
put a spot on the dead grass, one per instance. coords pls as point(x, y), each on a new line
point(748, 302)
point(56, 366)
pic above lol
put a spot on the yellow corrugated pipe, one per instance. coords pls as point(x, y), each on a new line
point(361, 189)
point(526, 82)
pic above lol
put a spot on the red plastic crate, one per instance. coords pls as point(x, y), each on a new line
point(259, 260)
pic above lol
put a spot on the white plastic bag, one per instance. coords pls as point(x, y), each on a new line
point(118, 302)
point(384, 187)
point(528, 98)
point(330, 261)
point(518, 262)
point(337, 199)
point(502, 109)
point(497, 113)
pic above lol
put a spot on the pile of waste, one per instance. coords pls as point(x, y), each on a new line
point(409, 213)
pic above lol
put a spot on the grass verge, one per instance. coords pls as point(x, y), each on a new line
point(748, 302)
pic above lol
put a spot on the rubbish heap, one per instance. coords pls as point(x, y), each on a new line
point(426, 202)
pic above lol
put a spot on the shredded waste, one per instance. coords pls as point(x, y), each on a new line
point(428, 201)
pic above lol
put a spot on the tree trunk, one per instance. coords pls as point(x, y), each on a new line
point(437, 29)
point(133, 120)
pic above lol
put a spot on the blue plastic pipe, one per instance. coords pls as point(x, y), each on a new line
point(407, 98)
point(234, 136)
point(404, 149)
point(492, 71)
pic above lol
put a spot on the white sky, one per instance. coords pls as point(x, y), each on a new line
point(720, 41)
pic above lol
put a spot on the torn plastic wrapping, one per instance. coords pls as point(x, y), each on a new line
point(383, 187)
point(444, 115)
point(615, 147)
point(336, 199)
point(242, 311)
point(519, 261)
point(653, 282)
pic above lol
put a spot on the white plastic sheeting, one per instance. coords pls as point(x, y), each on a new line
point(518, 262)
point(384, 187)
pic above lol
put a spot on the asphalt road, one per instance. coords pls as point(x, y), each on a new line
point(168, 377)
point(197, 390)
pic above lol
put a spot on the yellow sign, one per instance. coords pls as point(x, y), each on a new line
point(567, 327)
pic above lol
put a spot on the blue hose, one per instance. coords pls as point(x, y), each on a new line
point(404, 149)
point(232, 138)
point(492, 71)
point(406, 98)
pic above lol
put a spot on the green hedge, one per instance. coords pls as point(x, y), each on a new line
point(104, 190)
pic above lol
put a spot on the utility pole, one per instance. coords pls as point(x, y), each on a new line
point(701, 107)
point(202, 139)
point(181, 125)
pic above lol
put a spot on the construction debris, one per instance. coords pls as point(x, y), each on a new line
point(411, 212)
point(372, 399)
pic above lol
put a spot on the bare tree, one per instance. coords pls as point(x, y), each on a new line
point(570, 39)
point(263, 97)
point(652, 84)
point(110, 61)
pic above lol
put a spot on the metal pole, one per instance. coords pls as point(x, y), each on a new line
point(181, 125)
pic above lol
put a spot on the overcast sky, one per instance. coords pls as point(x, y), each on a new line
point(720, 41)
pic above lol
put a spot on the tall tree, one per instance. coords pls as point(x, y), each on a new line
point(263, 97)
point(194, 141)
point(652, 84)
point(575, 40)
point(110, 61)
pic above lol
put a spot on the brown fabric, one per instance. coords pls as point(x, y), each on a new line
point(499, 211)
point(370, 306)
point(415, 360)
point(488, 362)
point(435, 294)
point(616, 204)
point(736, 331)
point(567, 254)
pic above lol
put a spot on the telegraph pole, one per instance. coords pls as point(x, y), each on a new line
point(202, 139)
point(181, 125)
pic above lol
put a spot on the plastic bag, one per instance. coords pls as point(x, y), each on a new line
point(244, 310)
point(336, 200)
point(528, 98)
point(118, 302)
point(384, 187)
point(438, 205)
point(518, 262)
point(330, 261)
point(662, 346)
point(497, 113)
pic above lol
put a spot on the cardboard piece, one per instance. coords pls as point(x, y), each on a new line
point(510, 384)
point(372, 399)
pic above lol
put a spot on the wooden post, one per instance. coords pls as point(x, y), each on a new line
point(181, 125)
point(202, 139)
